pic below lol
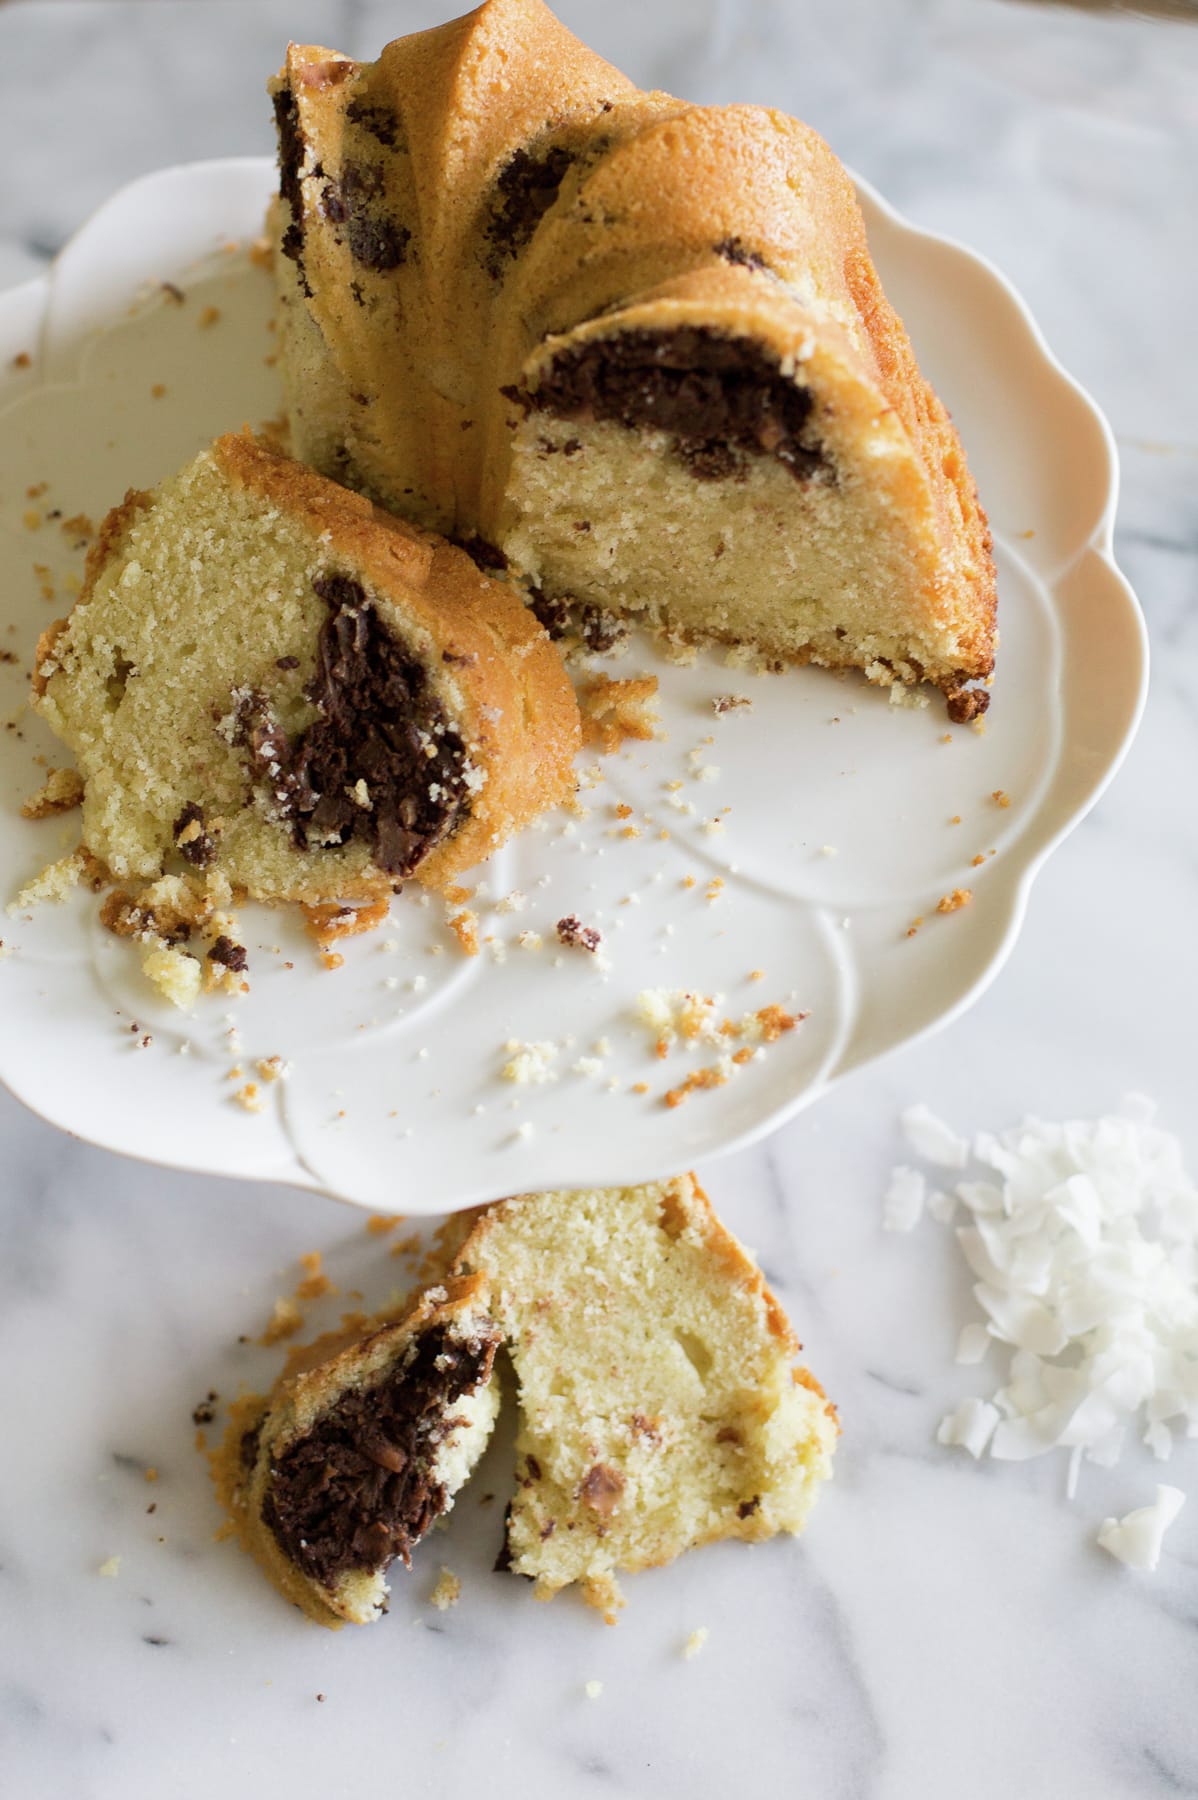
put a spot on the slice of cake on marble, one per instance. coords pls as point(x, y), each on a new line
point(353, 1459)
point(660, 1405)
point(271, 683)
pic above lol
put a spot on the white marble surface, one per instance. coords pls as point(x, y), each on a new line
point(944, 1630)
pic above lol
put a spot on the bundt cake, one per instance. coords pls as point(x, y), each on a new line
point(352, 1460)
point(658, 1399)
point(631, 350)
point(269, 680)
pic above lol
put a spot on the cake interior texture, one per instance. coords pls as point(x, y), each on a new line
point(267, 679)
point(659, 1402)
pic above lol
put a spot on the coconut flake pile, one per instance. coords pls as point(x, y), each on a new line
point(1083, 1238)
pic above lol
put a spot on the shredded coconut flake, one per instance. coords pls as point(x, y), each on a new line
point(932, 1139)
point(903, 1202)
point(1136, 1538)
point(1083, 1241)
point(971, 1426)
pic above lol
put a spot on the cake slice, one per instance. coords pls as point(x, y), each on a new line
point(270, 681)
point(353, 1459)
point(659, 1402)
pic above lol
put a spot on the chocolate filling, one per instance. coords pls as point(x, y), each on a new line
point(291, 160)
point(359, 1489)
point(721, 398)
point(380, 763)
point(525, 189)
point(375, 239)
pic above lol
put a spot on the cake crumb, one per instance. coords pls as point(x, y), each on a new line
point(273, 1068)
point(329, 920)
point(1000, 798)
point(208, 316)
point(315, 1284)
point(950, 903)
point(110, 1568)
point(593, 1689)
point(80, 528)
point(249, 1098)
point(576, 936)
point(447, 1592)
point(54, 882)
point(464, 926)
point(60, 792)
point(694, 1083)
point(176, 974)
point(726, 703)
point(285, 1320)
point(613, 711)
point(382, 1224)
point(158, 390)
point(529, 1064)
point(695, 1642)
point(22, 360)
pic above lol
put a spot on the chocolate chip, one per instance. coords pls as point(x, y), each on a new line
point(198, 846)
point(967, 703)
point(229, 955)
point(577, 936)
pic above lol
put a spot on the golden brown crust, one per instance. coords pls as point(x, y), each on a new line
point(518, 705)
